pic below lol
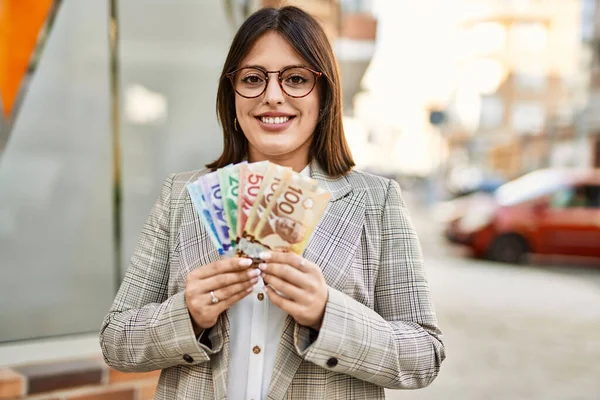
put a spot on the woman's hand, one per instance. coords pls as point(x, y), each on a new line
point(229, 280)
point(302, 284)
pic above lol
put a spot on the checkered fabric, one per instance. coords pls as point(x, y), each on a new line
point(379, 329)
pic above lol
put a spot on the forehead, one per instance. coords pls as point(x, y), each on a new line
point(272, 52)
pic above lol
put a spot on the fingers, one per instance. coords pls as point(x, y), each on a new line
point(288, 289)
point(287, 305)
point(221, 266)
point(202, 310)
point(284, 272)
point(292, 259)
point(223, 305)
point(220, 281)
point(231, 290)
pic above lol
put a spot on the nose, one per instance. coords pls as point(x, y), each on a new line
point(273, 93)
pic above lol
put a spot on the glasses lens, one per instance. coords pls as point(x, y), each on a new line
point(297, 81)
point(249, 82)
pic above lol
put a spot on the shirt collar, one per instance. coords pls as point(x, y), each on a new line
point(306, 171)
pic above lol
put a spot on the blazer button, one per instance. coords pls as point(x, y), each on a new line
point(332, 362)
point(187, 358)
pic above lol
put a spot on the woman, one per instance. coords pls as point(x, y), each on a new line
point(350, 317)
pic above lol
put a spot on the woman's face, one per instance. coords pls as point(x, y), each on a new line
point(278, 127)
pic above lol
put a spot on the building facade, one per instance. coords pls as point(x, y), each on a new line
point(520, 91)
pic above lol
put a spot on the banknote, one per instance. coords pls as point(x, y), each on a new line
point(249, 185)
point(199, 201)
point(273, 183)
point(293, 216)
point(212, 191)
point(229, 182)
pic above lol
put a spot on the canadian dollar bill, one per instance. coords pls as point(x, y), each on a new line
point(199, 201)
point(212, 191)
point(229, 181)
point(273, 183)
point(293, 216)
point(249, 185)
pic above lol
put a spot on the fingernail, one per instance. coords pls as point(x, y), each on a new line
point(245, 262)
point(262, 266)
point(266, 289)
point(250, 289)
point(265, 256)
point(262, 274)
point(253, 272)
point(254, 281)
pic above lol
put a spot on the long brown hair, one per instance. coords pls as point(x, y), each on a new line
point(305, 35)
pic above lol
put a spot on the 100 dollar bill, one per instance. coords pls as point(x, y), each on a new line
point(292, 216)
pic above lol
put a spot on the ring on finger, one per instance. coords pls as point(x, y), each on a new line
point(214, 299)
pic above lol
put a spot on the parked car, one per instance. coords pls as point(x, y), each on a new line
point(550, 211)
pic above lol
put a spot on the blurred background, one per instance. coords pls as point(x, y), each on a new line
point(487, 112)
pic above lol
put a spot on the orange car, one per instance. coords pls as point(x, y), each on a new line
point(550, 211)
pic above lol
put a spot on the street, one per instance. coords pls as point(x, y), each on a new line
point(511, 332)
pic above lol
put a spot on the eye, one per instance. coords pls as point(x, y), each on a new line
point(296, 79)
point(252, 79)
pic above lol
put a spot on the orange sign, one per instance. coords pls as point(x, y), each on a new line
point(20, 25)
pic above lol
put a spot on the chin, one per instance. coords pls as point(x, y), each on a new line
point(271, 150)
point(275, 144)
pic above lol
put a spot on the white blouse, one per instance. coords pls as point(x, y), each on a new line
point(256, 327)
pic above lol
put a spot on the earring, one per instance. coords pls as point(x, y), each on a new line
point(235, 123)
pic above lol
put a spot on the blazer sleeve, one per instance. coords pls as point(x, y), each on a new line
point(145, 329)
point(398, 345)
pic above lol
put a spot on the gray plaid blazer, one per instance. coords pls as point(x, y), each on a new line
point(379, 328)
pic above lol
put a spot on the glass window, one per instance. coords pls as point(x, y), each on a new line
point(529, 37)
point(356, 6)
point(56, 241)
point(529, 80)
point(528, 116)
point(492, 112)
point(487, 37)
point(577, 197)
point(59, 274)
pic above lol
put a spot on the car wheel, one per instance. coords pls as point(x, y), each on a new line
point(509, 249)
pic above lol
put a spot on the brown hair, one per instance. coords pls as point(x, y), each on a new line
point(305, 35)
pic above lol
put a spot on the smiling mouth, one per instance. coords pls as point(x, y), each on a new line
point(274, 120)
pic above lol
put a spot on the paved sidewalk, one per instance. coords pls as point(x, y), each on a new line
point(511, 332)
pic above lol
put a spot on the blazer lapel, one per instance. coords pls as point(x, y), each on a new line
point(332, 247)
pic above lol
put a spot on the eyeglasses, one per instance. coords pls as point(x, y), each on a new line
point(295, 81)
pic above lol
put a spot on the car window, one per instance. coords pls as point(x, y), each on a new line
point(594, 196)
point(576, 197)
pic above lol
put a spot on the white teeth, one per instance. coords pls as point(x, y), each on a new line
point(275, 120)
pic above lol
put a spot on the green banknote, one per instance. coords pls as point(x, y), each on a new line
point(229, 181)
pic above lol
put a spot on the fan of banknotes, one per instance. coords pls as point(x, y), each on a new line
point(248, 208)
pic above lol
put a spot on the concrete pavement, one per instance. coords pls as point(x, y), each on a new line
point(512, 332)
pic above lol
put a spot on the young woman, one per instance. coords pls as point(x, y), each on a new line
point(350, 317)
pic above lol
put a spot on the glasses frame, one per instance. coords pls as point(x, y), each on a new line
point(231, 75)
